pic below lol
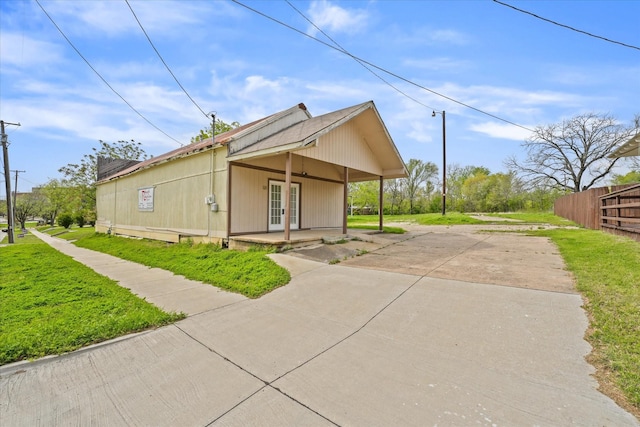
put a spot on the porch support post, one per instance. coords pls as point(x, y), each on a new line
point(229, 186)
point(381, 202)
point(287, 198)
point(344, 200)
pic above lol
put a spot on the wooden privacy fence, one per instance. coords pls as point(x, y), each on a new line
point(614, 209)
point(620, 211)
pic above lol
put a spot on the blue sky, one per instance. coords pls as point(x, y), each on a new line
point(244, 66)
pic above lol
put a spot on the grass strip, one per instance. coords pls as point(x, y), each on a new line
point(249, 273)
point(535, 218)
point(451, 218)
point(51, 304)
point(385, 229)
point(607, 272)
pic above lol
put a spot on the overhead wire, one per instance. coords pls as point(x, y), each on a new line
point(163, 61)
point(391, 73)
point(566, 26)
point(102, 78)
point(358, 61)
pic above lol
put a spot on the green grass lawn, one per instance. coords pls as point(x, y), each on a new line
point(451, 218)
point(607, 272)
point(385, 228)
point(249, 273)
point(51, 304)
point(535, 218)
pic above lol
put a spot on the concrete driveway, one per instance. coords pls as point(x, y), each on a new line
point(444, 326)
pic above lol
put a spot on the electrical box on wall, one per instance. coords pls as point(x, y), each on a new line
point(211, 200)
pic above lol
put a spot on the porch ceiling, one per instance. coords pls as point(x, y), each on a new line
point(307, 167)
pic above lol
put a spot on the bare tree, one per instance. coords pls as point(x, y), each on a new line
point(573, 154)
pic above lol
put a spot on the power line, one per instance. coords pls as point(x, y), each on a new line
point(359, 62)
point(567, 26)
point(382, 69)
point(102, 78)
point(163, 61)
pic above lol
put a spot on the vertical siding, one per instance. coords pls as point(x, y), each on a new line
point(320, 201)
point(321, 204)
point(344, 146)
point(249, 199)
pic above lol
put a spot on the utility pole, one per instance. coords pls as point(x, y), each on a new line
point(15, 194)
point(444, 159)
point(7, 178)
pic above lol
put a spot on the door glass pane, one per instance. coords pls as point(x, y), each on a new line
point(276, 204)
point(293, 200)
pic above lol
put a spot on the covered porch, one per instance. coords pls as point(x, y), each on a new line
point(291, 187)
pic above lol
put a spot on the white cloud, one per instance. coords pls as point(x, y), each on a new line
point(502, 131)
point(448, 36)
point(420, 36)
point(335, 19)
point(22, 51)
point(114, 19)
point(436, 64)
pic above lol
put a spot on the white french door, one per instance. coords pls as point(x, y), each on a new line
point(276, 205)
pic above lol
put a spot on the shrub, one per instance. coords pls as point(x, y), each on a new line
point(65, 220)
point(80, 220)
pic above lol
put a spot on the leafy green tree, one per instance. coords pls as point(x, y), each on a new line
point(364, 195)
point(3, 207)
point(394, 194)
point(628, 178)
point(456, 177)
point(474, 193)
point(573, 154)
point(220, 127)
point(419, 173)
point(80, 178)
point(26, 207)
point(55, 199)
point(504, 193)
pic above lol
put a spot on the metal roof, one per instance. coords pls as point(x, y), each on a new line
point(628, 149)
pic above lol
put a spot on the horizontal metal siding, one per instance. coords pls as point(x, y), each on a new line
point(180, 188)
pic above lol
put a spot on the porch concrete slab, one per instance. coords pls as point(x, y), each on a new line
point(471, 255)
point(455, 353)
point(314, 312)
point(408, 263)
point(158, 378)
point(269, 407)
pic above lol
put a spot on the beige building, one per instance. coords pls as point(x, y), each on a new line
point(285, 172)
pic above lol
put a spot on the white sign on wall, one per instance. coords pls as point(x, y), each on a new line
point(145, 199)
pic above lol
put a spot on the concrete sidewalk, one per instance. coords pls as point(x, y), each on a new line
point(162, 288)
point(346, 345)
